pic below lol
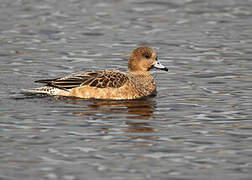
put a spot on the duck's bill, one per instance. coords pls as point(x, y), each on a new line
point(158, 65)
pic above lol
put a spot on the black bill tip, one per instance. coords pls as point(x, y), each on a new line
point(165, 69)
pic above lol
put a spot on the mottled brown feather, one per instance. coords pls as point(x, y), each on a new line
point(98, 79)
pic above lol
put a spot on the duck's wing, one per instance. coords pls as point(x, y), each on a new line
point(99, 79)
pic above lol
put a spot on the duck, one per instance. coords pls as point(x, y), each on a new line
point(109, 84)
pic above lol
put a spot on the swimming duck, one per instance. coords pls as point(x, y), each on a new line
point(109, 84)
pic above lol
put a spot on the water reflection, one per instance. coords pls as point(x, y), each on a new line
point(132, 113)
point(140, 127)
point(131, 109)
point(136, 113)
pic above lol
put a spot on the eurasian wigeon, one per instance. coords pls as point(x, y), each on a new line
point(109, 84)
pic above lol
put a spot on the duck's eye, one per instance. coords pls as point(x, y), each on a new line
point(147, 56)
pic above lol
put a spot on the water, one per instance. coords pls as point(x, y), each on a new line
point(199, 126)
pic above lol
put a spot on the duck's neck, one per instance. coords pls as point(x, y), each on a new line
point(140, 73)
point(143, 82)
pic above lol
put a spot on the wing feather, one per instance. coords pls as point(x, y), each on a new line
point(99, 79)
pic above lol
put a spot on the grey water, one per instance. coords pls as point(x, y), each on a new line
point(199, 126)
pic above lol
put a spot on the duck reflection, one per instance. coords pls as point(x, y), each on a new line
point(132, 109)
point(139, 127)
point(129, 111)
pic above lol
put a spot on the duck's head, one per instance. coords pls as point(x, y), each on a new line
point(142, 59)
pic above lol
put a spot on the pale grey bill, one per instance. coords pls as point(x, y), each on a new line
point(158, 65)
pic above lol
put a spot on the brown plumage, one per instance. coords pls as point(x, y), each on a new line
point(99, 79)
point(109, 84)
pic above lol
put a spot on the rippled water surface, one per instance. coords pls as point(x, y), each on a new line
point(199, 126)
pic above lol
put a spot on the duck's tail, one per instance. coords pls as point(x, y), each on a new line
point(41, 90)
